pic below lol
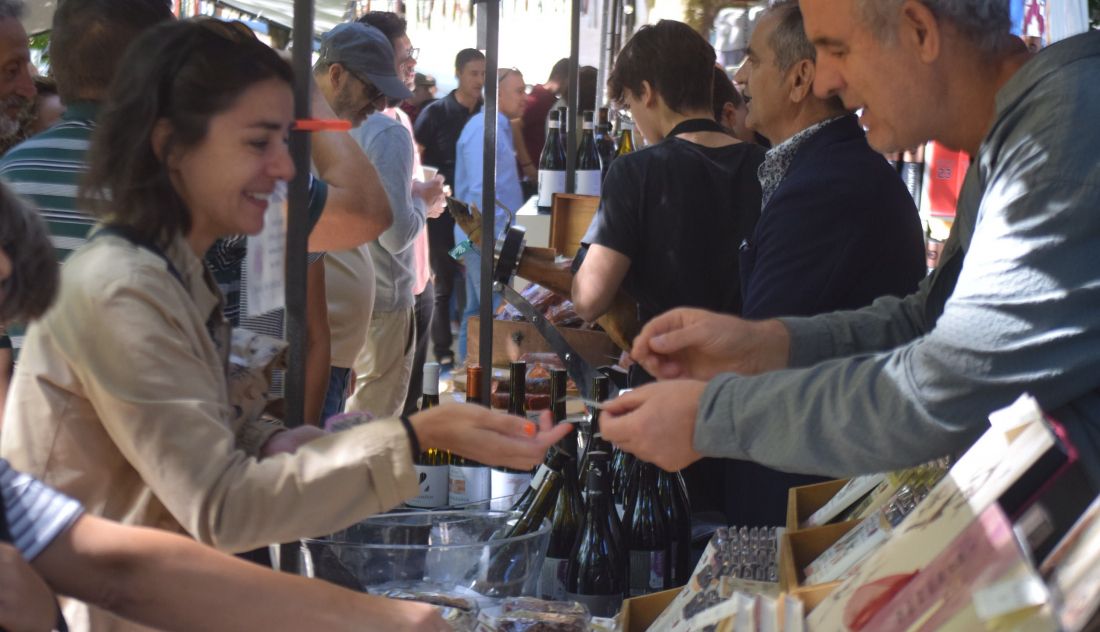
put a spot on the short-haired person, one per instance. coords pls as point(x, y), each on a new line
point(1010, 308)
point(16, 85)
point(424, 90)
point(469, 181)
point(384, 361)
point(539, 102)
point(149, 576)
point(437, 130)
point(730, 109)
point(837, 230)
point(672, 215)
point(48, 108)
point(120, 399)
point(427, 193)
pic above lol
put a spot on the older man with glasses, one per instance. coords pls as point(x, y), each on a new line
point(370, 298)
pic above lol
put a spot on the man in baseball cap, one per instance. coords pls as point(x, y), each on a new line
point(355, 71)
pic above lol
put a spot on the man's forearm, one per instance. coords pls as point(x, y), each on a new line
point(839, 418)
point(318, 345)
point(357, 210)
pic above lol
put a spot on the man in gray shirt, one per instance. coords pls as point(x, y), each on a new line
point(1012, 308)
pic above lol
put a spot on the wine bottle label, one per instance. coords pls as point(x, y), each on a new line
point(539, 477)
point(433, 486)
point(468, 485)
point(599, 605)
point(506, 488)
point(647, 572)
point(550, 182)
point(552, 579)
point(588, 182)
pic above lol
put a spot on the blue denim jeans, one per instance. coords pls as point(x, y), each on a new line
point(473, 300)
point(337, 389)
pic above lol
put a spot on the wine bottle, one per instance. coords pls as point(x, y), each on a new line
point(508, 485)
point(620, 468)
point(912, 172)
point(630, 487)
point(678, 514)
point(601, 390)
point(626, 137)
point(647, 536)
point(566, 517)
point(566, 128)
point(589, 169)
point(595, 570)
point(545, 486)
point(432, 469)
point(469, 480)
point(551, 164)
point(605, 142)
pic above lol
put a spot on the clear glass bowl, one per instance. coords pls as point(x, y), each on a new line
point(437, 550)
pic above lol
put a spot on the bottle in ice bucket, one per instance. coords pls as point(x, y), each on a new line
point(595, 575)
point(508, 485)
point(469, 479)
point(432, 469)
point(565, 519)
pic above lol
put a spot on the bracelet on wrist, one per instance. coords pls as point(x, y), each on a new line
point(414, 442)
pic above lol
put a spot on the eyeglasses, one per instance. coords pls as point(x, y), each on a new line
point(413, 54)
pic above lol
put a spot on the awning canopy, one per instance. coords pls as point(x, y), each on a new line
point(327, 13)
point(38, 16)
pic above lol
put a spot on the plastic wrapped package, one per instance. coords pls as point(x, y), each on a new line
point(461, 613)
point(528, 614)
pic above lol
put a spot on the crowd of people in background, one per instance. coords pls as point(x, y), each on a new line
point(145, 398)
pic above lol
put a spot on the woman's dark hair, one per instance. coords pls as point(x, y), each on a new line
point(30, 288)
point(676, 61)
point(184, 73)
point(724, 92)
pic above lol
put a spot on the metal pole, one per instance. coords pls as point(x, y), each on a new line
point(574, 98)
point(604, 66)
point(297, 237)
point(489, 192)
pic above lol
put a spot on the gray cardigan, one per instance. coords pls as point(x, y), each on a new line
point(1014, 307)
point(388, 145)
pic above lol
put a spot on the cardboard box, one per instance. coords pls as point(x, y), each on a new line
point(640, 612)
point(803, 501)
point(810, 596)
point(797, 549)
point(512, 339)
point(569, 220)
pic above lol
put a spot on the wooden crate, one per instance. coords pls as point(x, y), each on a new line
point(570, 217)
point(640, 612)
point(511, 339)
point(800, 548)
point(803, 501)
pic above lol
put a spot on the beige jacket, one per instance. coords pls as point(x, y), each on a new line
point(120, 401)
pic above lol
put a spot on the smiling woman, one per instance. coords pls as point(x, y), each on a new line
point(123, 398)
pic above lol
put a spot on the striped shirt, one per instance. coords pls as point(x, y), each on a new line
point(35, 513)
point(46, 170)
